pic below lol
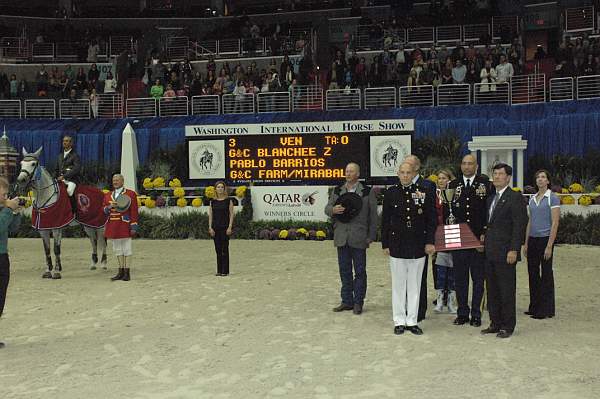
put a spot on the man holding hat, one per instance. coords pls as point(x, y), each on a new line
point(122, 207)
point(353, 208)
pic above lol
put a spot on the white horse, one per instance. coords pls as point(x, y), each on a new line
point(47, 193)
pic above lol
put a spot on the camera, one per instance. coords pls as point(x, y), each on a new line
point(22, 201)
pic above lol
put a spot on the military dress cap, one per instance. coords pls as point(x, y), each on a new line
point(352, 204)
point(123, 202)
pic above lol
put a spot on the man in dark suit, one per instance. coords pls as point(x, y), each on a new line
point(68, 165)
point(430, 189)
point(471, 192)
point(504, 236)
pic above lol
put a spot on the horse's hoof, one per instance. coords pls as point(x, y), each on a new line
point(56, 276)
point(47, 275)
point(104, 266)
point(93, 267)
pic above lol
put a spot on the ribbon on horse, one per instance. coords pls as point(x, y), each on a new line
point(89, 206)
point(55, 216)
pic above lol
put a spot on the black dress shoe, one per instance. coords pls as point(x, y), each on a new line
point(528, 313)
point(460, 320)
point(399, 330)
point(343, 307)
point(2, 345)
point(357, 308)
point(503, 334)
point(415, 330)
point(475, 322)
point(490, 330)
point(538, 317)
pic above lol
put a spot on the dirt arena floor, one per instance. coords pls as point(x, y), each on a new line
point(267, 330)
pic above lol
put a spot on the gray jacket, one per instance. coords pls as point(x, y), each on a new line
point(360, 229)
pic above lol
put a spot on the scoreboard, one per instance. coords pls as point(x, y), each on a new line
point(296, 158)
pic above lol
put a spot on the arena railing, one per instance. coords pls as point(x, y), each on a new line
point(380, 97)
point(421, 35)
point(562, 89)
point(505, 22)
point(40, 109)
point(42, 52)
point(10, 109)
point(588, 87)
point(491, 93)
point(279, 101)
point(238, 103)
point(253, 46)
point(141, 107)
point(528, 89)
point(178, 47)
point(65, 52)
point(307, 98)
point(343, 100)
point(118, 44)
point(16, 48)
point(207, 47)
point(579, 19)
point(454, 94)
point(448, 34)
point(416, 96)
point(229, 47)
point(474, 32)
point(206, 105)
point(110, 105)
point(74, 109)
point(173, 106)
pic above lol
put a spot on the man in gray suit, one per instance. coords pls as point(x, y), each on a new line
point(352, 238)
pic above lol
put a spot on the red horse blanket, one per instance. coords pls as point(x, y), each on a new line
point(58, 215)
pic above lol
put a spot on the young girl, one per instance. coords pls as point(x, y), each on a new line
point(444, 281)
point(220, 224)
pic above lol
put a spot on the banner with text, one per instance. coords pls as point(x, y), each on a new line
point(289, 203)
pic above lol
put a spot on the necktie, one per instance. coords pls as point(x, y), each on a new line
point(468, 183)
point(494, 203)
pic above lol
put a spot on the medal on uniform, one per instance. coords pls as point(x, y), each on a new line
point(420, 211)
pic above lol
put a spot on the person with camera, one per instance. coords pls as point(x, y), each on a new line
point(10, 219)
point(353, 208)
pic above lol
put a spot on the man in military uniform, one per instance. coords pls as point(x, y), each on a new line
point(408, 230)
point(122, 224)
point(469, 206)
point(352, 238)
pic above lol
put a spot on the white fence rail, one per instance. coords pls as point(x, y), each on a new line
point(40, 109)
point(173, 106)
point(74, 109)
point(273, 102)
point(141, 107)
point(588, 87)
point(238, 104)
point(307, 98)
point(206, 105)
point(562, 89)
point(528, 89)
point(110, 105)
point(10, 109)
point(343, 99)
point(491, 93)
point(380, 97)
point(459, 94)
point(417, 96)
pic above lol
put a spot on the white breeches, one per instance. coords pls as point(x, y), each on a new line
point(406, 288)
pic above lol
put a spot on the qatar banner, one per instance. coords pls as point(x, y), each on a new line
point(298, 203)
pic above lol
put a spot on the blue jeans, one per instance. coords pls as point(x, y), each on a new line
point(354, 287)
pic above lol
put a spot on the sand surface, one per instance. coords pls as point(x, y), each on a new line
point(267, 330)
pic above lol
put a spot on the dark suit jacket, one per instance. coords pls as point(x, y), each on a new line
point(471, 206)
point(69, 167)
point(506, 229)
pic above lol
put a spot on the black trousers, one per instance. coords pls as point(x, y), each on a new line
point(4, 278)
point(541, 286)
point(423, 294)
point(221, 240)
point(468, 262)
point(501, 279)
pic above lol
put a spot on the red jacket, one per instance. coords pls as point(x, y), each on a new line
point(121, 224)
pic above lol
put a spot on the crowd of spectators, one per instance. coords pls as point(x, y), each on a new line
point(579, 57)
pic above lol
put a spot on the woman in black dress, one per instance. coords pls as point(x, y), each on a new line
point(220, 223)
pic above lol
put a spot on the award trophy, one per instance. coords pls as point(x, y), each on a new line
point(452, 236)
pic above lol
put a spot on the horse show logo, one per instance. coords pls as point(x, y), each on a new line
point(388, 154)
point(84, 202)
point(206, 160)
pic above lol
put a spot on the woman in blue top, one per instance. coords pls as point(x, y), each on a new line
point(544, 215)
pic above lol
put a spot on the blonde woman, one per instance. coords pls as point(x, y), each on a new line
point(443, 272)
point(220, 224)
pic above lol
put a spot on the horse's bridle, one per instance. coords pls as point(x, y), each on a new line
point(31, 180)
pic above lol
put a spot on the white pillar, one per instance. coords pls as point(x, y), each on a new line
point(484, 162)
point(129, 158)
point(520, 171)
point(511, 162)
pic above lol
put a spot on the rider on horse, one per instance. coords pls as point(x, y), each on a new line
point(68, 168)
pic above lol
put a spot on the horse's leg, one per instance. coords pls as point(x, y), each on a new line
point(57, 233)
point(93, 236)
point(102, 244)
point(45, 235)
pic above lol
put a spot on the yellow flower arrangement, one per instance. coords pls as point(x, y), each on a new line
point(197, 202)
point(140, 200)
point(517, 189)
point(30, 194)
point(182, 202)
point(321, 234)
point(567, 200)
point(302, 231)
point(585, 200)
point(433, 178)
point(148, 183)
point(564, 190)
point(210, 192)
point(240, 192)
point(283, 234)
point(175, 183)
point(597, 189)
point(575, 188)
point(158, 182)
point(179, 192)
point(150, 203)
point(105, 191)
point(27, 203)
